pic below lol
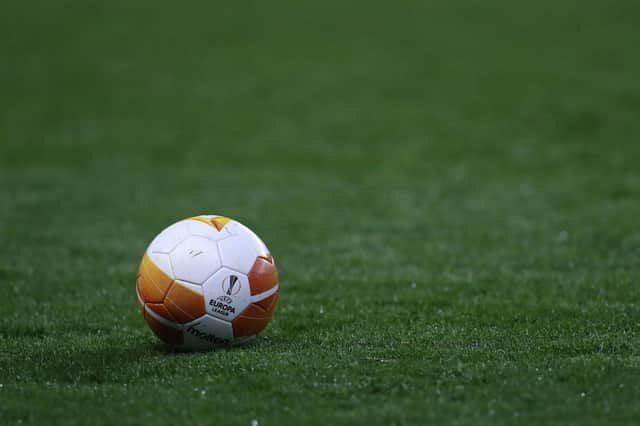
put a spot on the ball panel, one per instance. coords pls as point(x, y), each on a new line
point(263, 275)
point(255, 317)
point(183, 303)
point(217, 222)
point(269, 303)
point(161, 309)
point(195, 259)
point(252, 240)
point(238, 252)
point(169, 335)
point(139, 300)
point(226, 294)
point(195, 287)
point(208, 332)
point(152, 283)
point(205, 229)
point(168, 239)
point(162, 262)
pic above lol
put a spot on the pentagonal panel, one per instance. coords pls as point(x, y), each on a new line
point(202, 227)
point(168, 239)
point(207, 332)
point(226, 294)
point(195, 259)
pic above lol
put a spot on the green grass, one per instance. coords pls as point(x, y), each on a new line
point(451, 191)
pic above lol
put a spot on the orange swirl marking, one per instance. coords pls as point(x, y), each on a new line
point(184, 304)
point(152, 282)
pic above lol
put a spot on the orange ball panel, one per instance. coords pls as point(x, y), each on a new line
point(263, 275)
point(184, 304)
point(255, 317)
point(161, 309)
point(168, 334)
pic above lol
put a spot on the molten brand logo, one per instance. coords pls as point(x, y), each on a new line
point(211, 338)
point(231, 285)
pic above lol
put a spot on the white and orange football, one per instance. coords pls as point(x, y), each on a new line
point(207, 282)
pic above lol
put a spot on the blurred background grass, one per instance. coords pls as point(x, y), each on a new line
point(468, 164)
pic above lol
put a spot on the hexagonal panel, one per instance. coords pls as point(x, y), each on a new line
point(168, 239)
point(195, 259)
point(236, 228)
point(207, 332)
point(226, 294)
point(238, 252)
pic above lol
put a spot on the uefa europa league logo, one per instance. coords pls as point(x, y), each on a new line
point(231, 285)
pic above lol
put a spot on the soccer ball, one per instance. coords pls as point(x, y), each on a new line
point(207, 282)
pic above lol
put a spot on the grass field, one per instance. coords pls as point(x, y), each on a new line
point(451, 191)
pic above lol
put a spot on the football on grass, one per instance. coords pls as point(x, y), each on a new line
point(207, 282)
